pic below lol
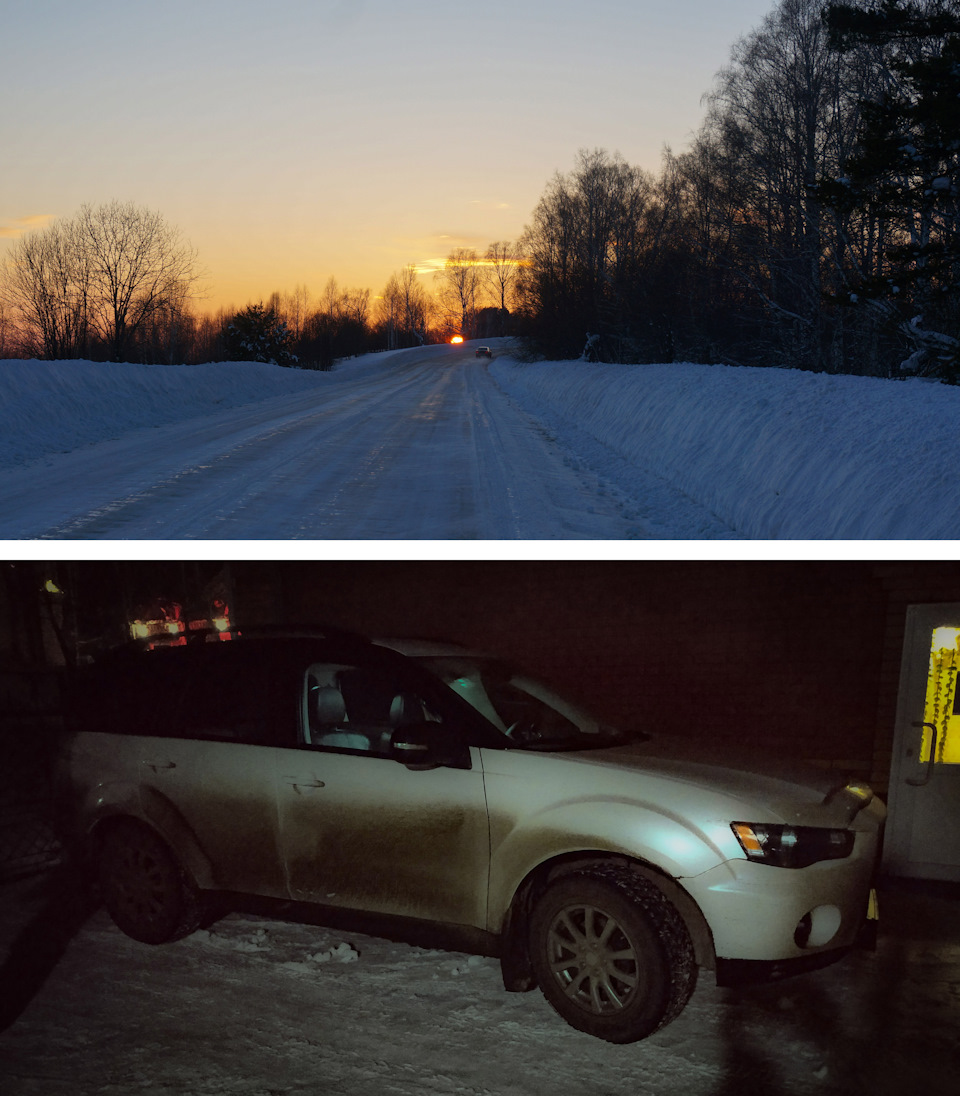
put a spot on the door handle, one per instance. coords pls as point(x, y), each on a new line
point(158, 765)
point(919, 781)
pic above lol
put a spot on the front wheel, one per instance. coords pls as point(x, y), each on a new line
point(144, 888)
point(611, 953)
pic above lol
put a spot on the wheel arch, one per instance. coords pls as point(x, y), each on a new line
point(515, 958)
point(169, 825)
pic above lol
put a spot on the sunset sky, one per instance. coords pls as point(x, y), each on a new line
point(299, 139)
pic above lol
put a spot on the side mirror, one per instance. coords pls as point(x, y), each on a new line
point(427, 745)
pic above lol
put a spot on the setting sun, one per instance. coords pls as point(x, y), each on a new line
point(457, 339)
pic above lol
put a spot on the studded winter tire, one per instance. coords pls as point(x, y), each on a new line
point(611, 953)
point(145, 890)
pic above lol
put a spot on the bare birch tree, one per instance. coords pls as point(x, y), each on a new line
point(403, 309)
point(784, 111)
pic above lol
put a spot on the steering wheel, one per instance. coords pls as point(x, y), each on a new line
point(523, 730)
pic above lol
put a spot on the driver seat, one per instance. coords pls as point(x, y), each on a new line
point(328, 714)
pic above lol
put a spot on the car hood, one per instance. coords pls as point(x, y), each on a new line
point(798, 794)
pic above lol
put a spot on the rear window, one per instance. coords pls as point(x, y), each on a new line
point(128, 697)
point(232, 698)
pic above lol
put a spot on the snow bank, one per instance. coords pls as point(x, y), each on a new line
point(775, 453)
point(53, 407)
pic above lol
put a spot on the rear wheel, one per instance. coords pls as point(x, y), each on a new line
point(611, 953)
point(145, 890)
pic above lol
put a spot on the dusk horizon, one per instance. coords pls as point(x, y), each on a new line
point(341, 141)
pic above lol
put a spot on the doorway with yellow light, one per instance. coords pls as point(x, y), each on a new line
point(923, 826)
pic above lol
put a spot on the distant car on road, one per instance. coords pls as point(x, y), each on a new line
point(484, 352)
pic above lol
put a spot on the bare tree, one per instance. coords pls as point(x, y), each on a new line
point(338, 327)
point(785, 111)
point(6, 332)
point(136, 266)
point(46, 282)
point(295, 306)
point(403, 309)
point(584, 250)
point(356, 306)
point(460, 287)
point(501, 263)
point(331, 299)
point(111, 273)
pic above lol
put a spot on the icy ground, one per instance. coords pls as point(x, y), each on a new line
point(433, 444)
point(255, 1006)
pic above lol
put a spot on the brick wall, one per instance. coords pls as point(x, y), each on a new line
point(785, 657)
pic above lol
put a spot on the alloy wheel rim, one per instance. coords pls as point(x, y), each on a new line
point(593, 960)
point(138, 884)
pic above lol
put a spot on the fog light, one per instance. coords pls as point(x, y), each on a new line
point(818, 927)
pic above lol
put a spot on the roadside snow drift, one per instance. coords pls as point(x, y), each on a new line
point(775, 453)
point(54, 407)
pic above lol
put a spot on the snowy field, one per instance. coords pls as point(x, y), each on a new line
point(258, 1006)
point(770, 453)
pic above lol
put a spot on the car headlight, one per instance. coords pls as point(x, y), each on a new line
point(791, 846)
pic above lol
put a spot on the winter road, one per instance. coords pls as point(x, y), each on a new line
point(430, 448)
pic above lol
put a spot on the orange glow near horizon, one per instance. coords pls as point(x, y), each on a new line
point(457, 339)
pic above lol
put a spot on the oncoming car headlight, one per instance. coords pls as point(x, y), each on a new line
point(791, 846)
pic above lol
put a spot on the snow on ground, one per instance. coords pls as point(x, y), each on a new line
point(772, 453)
point(260, 1006)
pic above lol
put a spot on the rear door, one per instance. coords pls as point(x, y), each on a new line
point(211, 764)
point(362, 831)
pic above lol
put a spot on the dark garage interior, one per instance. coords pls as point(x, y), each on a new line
point(801, 659)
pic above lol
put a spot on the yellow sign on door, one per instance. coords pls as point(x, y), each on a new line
point(940, 707)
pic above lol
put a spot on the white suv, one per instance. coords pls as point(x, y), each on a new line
point(437, 786)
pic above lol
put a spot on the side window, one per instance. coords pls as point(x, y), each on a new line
point(236, 702)
point(137, 697)
point(356, 708)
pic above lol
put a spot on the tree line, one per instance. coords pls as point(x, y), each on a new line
point(115, 283)
point(812, 223)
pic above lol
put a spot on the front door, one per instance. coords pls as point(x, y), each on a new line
point(362, 831)
point(923, 826)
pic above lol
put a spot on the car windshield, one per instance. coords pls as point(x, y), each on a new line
point(528, 712)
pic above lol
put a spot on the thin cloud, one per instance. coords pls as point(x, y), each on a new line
point(459, 239)
point(428, 266)
point(11, 230)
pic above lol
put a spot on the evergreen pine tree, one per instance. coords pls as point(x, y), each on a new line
point(257, 334)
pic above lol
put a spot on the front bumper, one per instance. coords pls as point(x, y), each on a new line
point(763, 914)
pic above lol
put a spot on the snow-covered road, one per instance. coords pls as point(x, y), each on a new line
point(430, 448)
